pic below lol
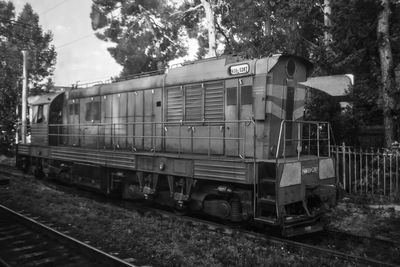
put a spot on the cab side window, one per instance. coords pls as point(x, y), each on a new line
point(246, 97)
point(231, 96)
point(38, 114)
point(92, 111)
point(73, 109)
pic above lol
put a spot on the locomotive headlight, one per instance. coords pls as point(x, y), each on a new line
point(162, 166)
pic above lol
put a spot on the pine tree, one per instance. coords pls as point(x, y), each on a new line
point(16, 34)
point(144, 33)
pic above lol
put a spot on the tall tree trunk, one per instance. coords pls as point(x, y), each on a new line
point(387, 72)
point(267, 22)
point(327, 22)
point(212, 43)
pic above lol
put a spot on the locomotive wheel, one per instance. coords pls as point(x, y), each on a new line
point(181, 209)
point(23, 165)
point(64, 177)
point(38, 172)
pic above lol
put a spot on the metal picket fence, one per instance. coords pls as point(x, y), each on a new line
point(367, 171)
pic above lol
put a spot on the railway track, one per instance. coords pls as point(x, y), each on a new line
point(371, 247)
point(27, 242)
point(296, 245)
point(311, 243)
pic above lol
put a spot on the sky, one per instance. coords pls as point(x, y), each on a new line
point(80, 55)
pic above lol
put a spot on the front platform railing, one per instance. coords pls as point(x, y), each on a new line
point(301, 138)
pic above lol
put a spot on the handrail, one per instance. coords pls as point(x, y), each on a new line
point(318, 139)
point(124, 134)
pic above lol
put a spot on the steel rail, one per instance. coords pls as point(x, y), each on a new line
point(91, 253)
point(370, 239)
point(335, 253)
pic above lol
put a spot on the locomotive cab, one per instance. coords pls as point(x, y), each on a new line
point(296, 175)
point(46, 111)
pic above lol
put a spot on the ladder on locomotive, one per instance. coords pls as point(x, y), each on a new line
point(266, 208)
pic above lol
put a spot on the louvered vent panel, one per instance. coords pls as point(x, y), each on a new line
point(193, 104)
point(174, 104)
point(214, 101)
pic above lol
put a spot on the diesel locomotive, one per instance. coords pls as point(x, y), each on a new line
point(222, 136)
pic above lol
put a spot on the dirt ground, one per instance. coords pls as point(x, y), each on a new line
point(370, 216)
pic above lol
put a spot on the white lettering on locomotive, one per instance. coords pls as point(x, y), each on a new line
point(309, 170)
point(239, 69)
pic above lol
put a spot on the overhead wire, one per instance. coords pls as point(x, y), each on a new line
point(74, 41)
point(32, 27)
point(26, 25)
point(54, 7)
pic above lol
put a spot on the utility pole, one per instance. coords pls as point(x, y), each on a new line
point(24, 95)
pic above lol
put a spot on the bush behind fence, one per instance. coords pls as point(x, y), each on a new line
point(368, 171)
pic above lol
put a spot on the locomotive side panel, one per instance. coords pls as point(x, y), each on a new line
point(231, 118)
point(119, 118)
point(106, 110)
point(139, 120)
point(72, 112)
point(131, 117)
point(214, 117)
point(39, 125)
point(178, 136)
point(246, 113)
point(148, 126)
point(90, 117)
point(157, 119)
point(259, 109)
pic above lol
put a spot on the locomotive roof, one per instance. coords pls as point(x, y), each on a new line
point(43, 99)
point(196, 72)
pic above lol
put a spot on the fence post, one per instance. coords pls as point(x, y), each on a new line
point(350, 176)
point(366, 171)
point(337, 164)
point(372, 172)
point(344, 165)
point(379, 172)
point(355, 171)
point(390, 175)
point(397, 171)
point(361, 171)
point(384, 173)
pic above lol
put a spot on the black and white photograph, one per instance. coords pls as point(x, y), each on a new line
point(199, 133)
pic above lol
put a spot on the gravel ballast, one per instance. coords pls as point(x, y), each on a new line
point(148, 239)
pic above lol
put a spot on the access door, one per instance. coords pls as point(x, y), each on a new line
point(239, 129)
point(231, 118)
point(73, 122)
point(246, 126)
point(90, 116)
point(152, 120)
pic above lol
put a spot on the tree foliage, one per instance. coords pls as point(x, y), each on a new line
point(354, 49)
point(144, 34)
point(17, 33)
point(260, 28)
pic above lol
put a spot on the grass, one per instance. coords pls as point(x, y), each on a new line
point(150, 239)
point(356, 215)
